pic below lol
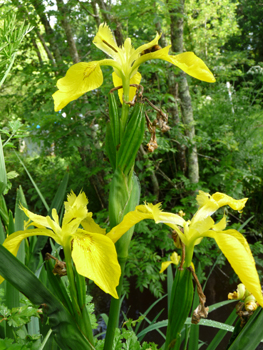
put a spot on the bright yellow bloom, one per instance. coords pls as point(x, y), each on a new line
point(93, 252)
point(232, 243)
point(175, 259)
point(83, 77)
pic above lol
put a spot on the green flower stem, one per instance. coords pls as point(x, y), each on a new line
point(70, 273)
point(82, 319)
point(114, 311)
point(189, 251)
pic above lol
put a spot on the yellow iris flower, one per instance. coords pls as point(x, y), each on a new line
point(232, 243)
point(93, 252)
point(83, 77)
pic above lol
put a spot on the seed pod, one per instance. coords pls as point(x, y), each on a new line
point(131, 139)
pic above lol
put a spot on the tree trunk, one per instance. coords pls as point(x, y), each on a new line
point(177, 25)
point(48, 52)
point(108, 18)
point(173, 107)
point(68, 31)
point(40, 8)
point(155, 182)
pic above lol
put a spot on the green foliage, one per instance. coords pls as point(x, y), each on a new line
point(144, 262)
point(17, 318)
point(127, 340)
point(11, 36)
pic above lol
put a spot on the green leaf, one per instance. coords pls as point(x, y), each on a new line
point(65, 330)
point(220, 334)
point(214, 324)
point(34, 184)
point(3, 177)
point(251, 335)
point(60, 194)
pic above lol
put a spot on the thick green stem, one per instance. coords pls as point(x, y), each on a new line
point(189, 251)
point(114, 311)
point(124, 196)
point(72, 286)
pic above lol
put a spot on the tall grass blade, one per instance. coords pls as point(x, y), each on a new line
point(3, 177)
point(34, 184)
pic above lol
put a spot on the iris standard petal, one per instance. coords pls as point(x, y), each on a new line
point(222, 199)
point(76, 201)
point(117, 81)
point(80, 78)
point(13, 241)
point(145, 47)
point(105, 41)
point(240, 259)
point(209, 204)
point(95, 257)
point(202, 226)
point(75, 207)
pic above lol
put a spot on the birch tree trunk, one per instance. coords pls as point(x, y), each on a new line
point(176, 10)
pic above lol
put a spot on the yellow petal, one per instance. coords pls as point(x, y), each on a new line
point(240, 257)
point(13, 241)
point(165, 265)
point(95, 257)
point(187, 61)
point(75, 207)
point(203, 225)
point(105, 40)
point(192, 65)
point(117, 81)
point(221, 225)
point(80, 78)
point(38, 220)
point(175, 258)
point(142, 212)
point(90, 225)
point(209, 204)
point(144, 47)
point(222, 199)
point(76, 201)
point(129, 220)
point(202, 198)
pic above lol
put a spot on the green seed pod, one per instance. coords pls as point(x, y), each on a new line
point(181, 302)
point(114, 120)
point(131, 139)
point(110, 147)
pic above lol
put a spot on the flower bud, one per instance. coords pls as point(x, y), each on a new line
point(239, 294)
point(250, 303)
